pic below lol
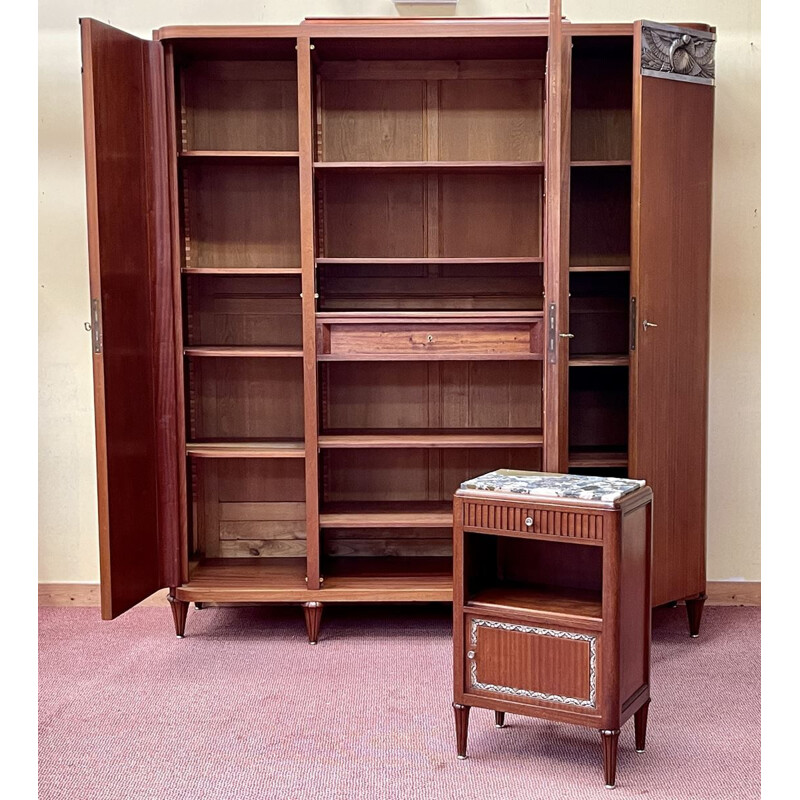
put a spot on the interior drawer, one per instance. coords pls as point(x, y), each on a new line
point(532, 663)
point(339, 338)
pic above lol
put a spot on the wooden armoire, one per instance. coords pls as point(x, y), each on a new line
point(340, 267)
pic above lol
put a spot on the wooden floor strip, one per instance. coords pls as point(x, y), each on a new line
point(51, 595)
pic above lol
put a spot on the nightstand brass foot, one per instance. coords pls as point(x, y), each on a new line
point(462, 723)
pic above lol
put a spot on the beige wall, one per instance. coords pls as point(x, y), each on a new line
point(67, 498)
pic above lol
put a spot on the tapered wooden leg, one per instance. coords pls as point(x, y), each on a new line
point(610, 740)
point(462, 723)
point(640, 726)
point(313, 612)
point(499, 719)
point(179, 609)
point(694, 610)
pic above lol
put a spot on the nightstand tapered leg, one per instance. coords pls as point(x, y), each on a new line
point(179, 610)
point(313, 614)
point(499, 719)
point(610, 741)
point(640, 726)
point(462, 723)
point(694, 610)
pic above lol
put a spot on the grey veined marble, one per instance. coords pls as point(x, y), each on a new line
point(551, 484)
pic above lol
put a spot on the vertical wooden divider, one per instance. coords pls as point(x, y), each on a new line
point(173, 180)
point(556, 235)
point(309, 305)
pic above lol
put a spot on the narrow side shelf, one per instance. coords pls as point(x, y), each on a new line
point(589, 459)
point(600, 268)
point(599, 361)
point(242, 351)
point(622, 162)
point(271, 449)
point(242, 270)
point(232, 156)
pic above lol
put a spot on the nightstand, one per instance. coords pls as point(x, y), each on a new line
point(551, 602)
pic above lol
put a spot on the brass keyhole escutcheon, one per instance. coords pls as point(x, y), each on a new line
point(430, 338)
point(529, 521)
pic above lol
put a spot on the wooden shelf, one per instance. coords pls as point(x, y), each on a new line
point(265, 156)
point(601, 268)
point(599, 361)
point(430, 439)
point(391, 579)
point(386, 515)
point(428, 166)
point(242, 270)
point(610, 163)
point(426, 316)
point(273, 449)
point(264, 580)
point(243, 351)
point(574, 604)
point(430, 260)
point(590, 459)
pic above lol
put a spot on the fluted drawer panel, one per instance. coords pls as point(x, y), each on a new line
point(567, 524)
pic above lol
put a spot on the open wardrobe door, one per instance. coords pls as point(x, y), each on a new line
point(133, 342)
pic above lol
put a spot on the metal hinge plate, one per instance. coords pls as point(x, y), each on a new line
point(97, 329)
point(551, 333)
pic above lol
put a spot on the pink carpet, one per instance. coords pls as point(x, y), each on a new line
point(245, 709)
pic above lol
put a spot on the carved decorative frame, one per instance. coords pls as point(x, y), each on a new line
point(514, 692)
point(678, 54)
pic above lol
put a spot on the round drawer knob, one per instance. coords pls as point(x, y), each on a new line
point(471, 654)
point(529, 521)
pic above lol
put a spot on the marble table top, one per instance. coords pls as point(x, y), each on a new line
point(551, 484)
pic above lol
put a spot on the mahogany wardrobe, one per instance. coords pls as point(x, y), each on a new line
point(340, 267)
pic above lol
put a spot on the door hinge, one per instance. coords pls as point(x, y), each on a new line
point(97, 329)
point(633, 324)
point(552, 339)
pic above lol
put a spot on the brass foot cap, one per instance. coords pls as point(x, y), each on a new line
point(499, 726)
point(461, 758)
point(640, 751)
point(179, 635)
point(611, 786)
point(694, 635)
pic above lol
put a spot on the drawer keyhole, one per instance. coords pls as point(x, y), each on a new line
point(529, 521)
point(430, 338)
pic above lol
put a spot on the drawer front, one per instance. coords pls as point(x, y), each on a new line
point(512, 340)
point(532, 664)
point(581, 526)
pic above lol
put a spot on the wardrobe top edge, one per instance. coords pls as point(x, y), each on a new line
point(426, 27)
point(392, 28)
